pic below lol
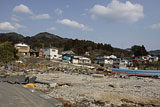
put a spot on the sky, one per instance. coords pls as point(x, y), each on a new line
point(121, 23)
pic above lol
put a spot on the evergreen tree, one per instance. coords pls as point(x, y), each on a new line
point(139, 50)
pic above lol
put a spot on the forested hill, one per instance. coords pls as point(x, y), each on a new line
point(46, 39)
point(155, 52)
point(14, 37)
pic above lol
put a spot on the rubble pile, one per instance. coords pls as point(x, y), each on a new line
point(83, 86)
point(90, 90)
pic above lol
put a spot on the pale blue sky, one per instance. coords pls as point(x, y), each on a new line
point(121, 23)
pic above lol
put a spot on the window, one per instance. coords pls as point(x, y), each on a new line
point(53, 50)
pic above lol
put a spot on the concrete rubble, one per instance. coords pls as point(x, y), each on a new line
point(85, 90)
point(84, 87)
point(18, 79)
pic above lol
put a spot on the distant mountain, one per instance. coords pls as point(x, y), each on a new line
point(12, 36)
point(155, 52)
point(45, 39)
point(128, 49)
point(37, 40)
point(47, 36)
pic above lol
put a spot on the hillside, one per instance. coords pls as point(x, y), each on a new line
point(45, 39)
point(155, 52)
point(12, 36)
point(46, 36)
point(37, 40)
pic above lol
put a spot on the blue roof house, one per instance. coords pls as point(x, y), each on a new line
point(67, 58)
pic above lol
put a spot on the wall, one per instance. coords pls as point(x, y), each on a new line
point(75, 61)
point(51, 53)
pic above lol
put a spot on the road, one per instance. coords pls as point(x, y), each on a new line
point(14, 95)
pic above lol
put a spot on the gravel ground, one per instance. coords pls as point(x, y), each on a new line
point(85, 90)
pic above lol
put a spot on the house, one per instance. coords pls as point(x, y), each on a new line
point(36, 53)
point(145, 57)
point(112, 56)
point(102, 57)
point(153, 58)
point(51, 53)
point(116, 60)
point(87, 54)
point(41, 54)
point(75, 59)
point(124, 62)
point(105, 56)
point(67, 58)
point(78, 59)
point(142, 59)
point(67, 52)
point(84, 60)
point(106, 59)
point(23, 49)
point(148, 58)
point(103, 61)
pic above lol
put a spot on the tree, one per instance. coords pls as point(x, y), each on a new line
point(139, 50)
point(7, 52)
point(144, 52)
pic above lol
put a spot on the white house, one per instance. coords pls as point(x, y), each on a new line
point(113, 56)
point(153, 58)
point(84, 60)
point(104, 59)
point(51, 53)
point(80, 60)
point(124, 62)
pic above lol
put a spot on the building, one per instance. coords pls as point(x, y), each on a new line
point(41, 54)
point(67, 58)
point(78, 59)
point(36, 53)
point(153, 58)
point(124, 62)
point(23, 49)
point(145, 59)
point(75, 59)
point(84, 60)
point(67, 52)
point(116, 61)
point(105, 59)
point(51, 53)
